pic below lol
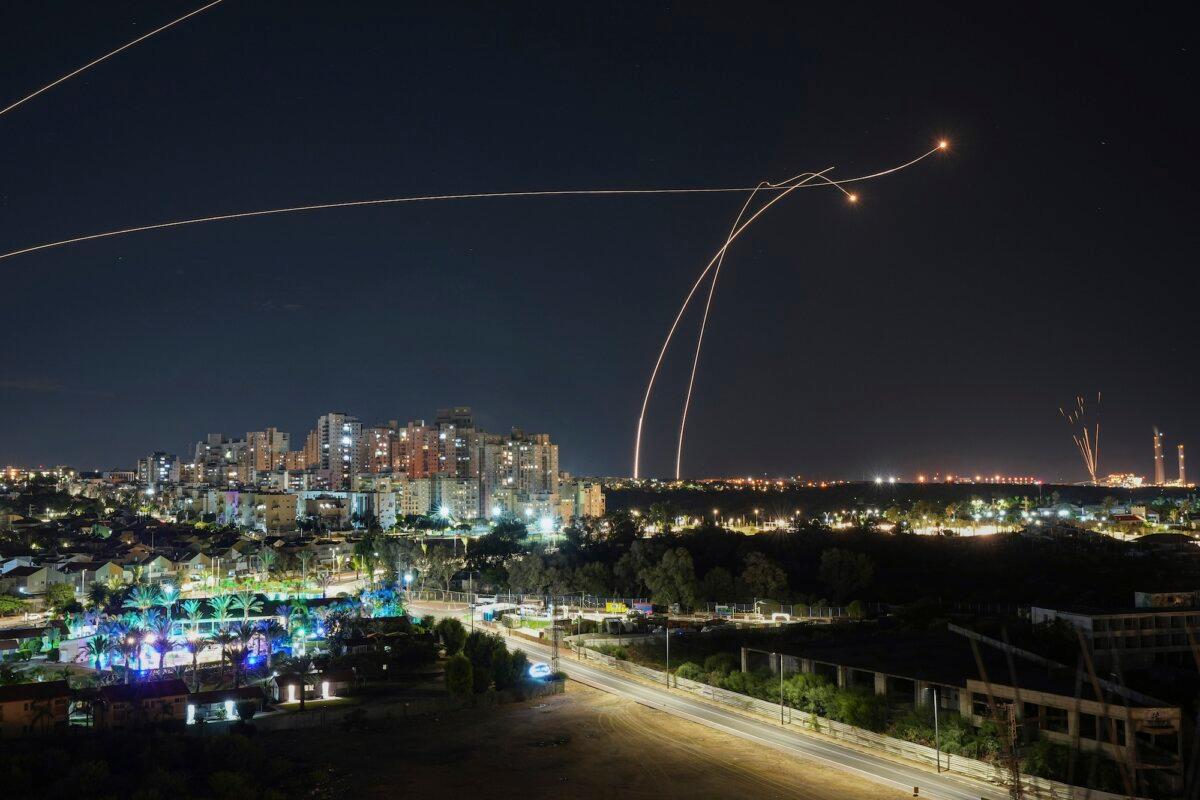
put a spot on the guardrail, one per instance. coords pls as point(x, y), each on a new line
point(746, 611)
point(803, 720)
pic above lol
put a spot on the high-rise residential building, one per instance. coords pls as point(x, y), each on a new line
point(456, 498)
point(416, 450)
point(579, 498)
point(157, 469)
point(338, 435)
point(376, 446)
point(458, 454)
point(220, 461)
point(1160, 473)
point(517, 468)
point(267, 449)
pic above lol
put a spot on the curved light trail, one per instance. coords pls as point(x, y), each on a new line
point(107, 56)
point(712, 288)
point(358, 203)
point(394, 201)
point(737, 231)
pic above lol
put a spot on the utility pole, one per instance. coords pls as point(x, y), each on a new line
point(779, 661)
point(667, 628)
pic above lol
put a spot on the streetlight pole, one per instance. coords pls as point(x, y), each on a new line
point(937, 739)
point(667, 628)
point(779, 661)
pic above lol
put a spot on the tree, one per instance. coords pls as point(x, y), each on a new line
point(158, 632)
point(60, 597)
point(762, 577)
point(856, 610)
point(267, 557)
point(191, 612)
point(195, 644)
point(845, 572)
point(527, 573)
point(304, 557)
point(673, 580)
point(219, 605)
point(593, 578)
point(717, 586)
point(248, 603)
point(483, 649)
point(141, 598)
point(452, 635)
point(97, 649)
point(12, 605)
point(459, 676)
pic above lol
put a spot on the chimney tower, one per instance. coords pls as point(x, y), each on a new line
point(1182, 471)
point(1160, 475)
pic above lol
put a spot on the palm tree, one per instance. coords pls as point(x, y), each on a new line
point(191, 612)
point(195, 644)
point(297, 612)
point(305, 558)
point(226, 640)
point(220, 607)
point(97, 649)
point(267, 558)
point(248, 603)
point(302, 667)
point(243, 637)
point(98, 594)
point(273, 634)
point(158, 633)
point(142, 598)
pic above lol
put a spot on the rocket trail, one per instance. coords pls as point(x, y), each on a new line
point(107, 56)
point(712, 288)
point(784, 191)
point(393, 201)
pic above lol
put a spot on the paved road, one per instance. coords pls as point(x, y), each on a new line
point(871, 767)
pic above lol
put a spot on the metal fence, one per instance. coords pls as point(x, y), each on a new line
point(911, 751)
point(599, 603)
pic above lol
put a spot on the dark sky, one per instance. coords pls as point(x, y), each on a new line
point(938, 324)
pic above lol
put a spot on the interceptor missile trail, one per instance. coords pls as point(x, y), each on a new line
point(712, 288)
point(785, 191)
point(413, 199)
point(107, 56)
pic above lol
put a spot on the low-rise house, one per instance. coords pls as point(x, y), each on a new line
point(143, 703)
point(219, 705)
point(30, 708)
point(33, 580)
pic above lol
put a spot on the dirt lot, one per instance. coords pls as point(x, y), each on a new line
point(584, 744)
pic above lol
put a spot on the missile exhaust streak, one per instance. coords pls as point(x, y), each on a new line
point(379, 202)
point(712, 288)
point(784, 191)
point(106, 56)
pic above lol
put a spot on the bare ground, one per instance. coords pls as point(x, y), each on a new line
point(581, 744)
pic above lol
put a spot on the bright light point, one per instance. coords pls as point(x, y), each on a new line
point(853, 198)
point(943, 144)
point(444, 511)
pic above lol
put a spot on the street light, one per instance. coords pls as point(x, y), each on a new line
point(937, 741)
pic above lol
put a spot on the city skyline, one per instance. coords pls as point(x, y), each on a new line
point(934, 325)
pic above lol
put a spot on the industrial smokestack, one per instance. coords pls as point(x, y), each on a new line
point(1160, 475)
point(1182, 471)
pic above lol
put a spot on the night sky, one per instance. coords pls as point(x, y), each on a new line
point(937, 325)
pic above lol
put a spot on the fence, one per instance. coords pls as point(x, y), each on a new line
point(402, 709)
point(802, 720)
point(598, 603)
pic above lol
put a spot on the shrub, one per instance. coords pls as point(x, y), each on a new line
point(452, 634)
point(691, 671)
point(724, 663)
point(860, 708)
point(459, 678)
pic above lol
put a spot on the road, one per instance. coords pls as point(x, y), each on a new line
point(872, 767)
